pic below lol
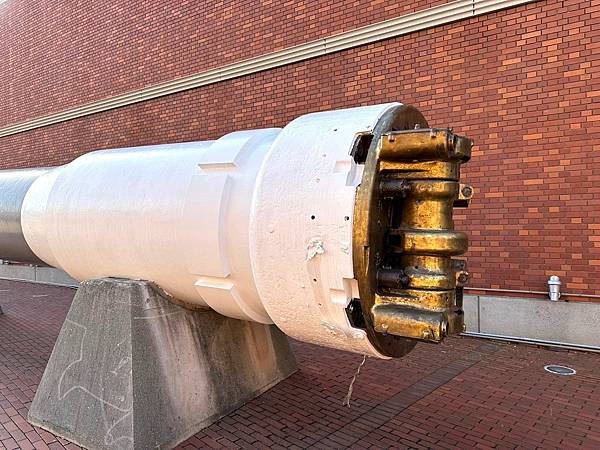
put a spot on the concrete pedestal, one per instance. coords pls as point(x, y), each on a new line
point(132, 370)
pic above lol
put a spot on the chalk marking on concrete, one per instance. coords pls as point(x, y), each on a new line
point(61, 396)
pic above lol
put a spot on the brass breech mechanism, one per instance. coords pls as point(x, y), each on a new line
point(404, 240)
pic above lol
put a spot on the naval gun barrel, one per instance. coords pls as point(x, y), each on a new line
point(337, 228)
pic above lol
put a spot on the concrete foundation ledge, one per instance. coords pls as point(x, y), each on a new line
point(570, 323)
point(35, 274)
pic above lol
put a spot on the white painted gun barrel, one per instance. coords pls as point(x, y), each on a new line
point(257, 225)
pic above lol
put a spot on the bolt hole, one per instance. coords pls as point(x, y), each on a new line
point(315, 280)
point(313, 217)
point(346, 218)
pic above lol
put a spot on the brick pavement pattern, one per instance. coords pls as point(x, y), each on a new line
point(465, 393)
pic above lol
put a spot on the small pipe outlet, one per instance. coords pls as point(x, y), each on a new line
point(554, 288)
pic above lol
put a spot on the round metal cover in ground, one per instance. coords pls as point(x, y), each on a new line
point(560, 370)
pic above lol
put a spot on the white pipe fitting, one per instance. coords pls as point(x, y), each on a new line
point(554, 288)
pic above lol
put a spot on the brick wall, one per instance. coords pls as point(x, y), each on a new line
point(56, 55)
point(524, 83)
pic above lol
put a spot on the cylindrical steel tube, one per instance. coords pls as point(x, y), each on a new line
point(14, 184)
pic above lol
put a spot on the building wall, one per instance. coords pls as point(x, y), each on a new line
point(523, 83)
point(68, 54)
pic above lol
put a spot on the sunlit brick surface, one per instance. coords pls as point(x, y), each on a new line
point(107, 48)
point(465, 393)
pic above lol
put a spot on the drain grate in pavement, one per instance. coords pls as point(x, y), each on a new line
point(560, 370)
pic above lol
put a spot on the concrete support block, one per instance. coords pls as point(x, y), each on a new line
point(132, 370)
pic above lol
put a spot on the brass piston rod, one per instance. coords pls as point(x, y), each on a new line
point(410, 287)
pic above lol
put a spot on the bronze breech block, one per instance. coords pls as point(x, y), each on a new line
point(404, 240)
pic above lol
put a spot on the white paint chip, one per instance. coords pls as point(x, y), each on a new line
point(314, 248)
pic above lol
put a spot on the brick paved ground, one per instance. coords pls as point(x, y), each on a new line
point(466, 393)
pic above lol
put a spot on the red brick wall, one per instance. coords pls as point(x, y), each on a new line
point(62, 55)
point(524, 83)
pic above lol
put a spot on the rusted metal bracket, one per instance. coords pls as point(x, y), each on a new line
point(404, 241)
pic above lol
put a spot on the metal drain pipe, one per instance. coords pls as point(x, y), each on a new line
point(526, 291)
point(523, 340)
